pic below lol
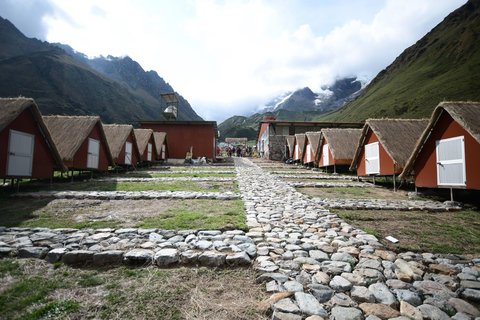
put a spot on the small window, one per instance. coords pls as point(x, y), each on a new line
point(372, 159)
point(326, 160)
point(93, 153)
point(451, 162)
point(149, 152)
point(309, 153)
point(128, 152)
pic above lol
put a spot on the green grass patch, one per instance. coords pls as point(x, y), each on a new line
point(438, 232)
point(208, 215)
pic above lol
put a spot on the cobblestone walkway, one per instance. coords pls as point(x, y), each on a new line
point(317, 266)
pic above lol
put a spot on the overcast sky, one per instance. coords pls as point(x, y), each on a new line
point(228, 57)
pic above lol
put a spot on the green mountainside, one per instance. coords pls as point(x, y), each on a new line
point(443, 65)
point(63, 85)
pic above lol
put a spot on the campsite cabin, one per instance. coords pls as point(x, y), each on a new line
point(337, 148)
point(26, 146)
point(161, 145)
point(312, 148)
point(80, 141)
point(122, 143)
point(271, 134)
point(289, 147)
point(199, 136)
point(299, 149)
point(146, 145)
point(447, 153)
point(385, 146)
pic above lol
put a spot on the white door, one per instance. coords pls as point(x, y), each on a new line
point(451, 162)
point(20, 153)
point(128, 152)
point(149, 152)
point(163, 151)
point(326, 159)
point(372, 160)
point(309, 153)
point(297, 152)
point(93, 153)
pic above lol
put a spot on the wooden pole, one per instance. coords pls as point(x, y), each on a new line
point(451, 194)
point(394, 184)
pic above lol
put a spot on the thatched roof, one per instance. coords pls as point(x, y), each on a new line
point(116, 135)
point(301, 140)
point(69, 132)
point(291, 145)
point(161, 138)
point(11, 108)
point(466, 114)
point(341, 142)
point(142, 136)
point(233, 140)
point(397, 136)
point(314, 138)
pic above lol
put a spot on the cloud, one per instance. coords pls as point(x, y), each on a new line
point(28, 16)
point(228, 57)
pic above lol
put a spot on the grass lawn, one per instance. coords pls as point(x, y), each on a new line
point(354, 193)
point(419, 231)
point(36, 289)
point(206, 186)
point(199, 214)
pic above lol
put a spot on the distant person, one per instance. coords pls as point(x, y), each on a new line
point(188, 158)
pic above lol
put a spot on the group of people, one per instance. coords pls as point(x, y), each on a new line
point(239, 151)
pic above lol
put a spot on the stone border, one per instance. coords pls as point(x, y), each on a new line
point(127, 195)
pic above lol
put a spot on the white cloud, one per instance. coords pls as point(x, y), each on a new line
point(226, 57)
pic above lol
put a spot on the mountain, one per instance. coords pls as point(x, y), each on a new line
point(300, 105)
point(61, 84)
point(330, 98)
point(443, 65)
point(130, 74)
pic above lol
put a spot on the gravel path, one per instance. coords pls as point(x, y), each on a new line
point(317, 266)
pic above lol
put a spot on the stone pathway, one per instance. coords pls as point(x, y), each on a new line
point(317, 266)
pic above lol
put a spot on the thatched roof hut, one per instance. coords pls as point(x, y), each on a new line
point(70, 132)
point(290, 141)
point(143, 136)
point(301, 141)
point(341, 142)
point(160, 140)
point(314, 140)
point(117, 135)
point(12, 108)
point(397, 136)
point(465, 114)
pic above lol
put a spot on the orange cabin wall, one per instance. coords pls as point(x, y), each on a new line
point(154, 151)
point(80, 158)
point(386, 163)
point(331, 161)
point(183, 136)
point(121, 155)
point(425, 167)
point(43, 161)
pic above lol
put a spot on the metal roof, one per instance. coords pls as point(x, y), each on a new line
point(170, 97)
